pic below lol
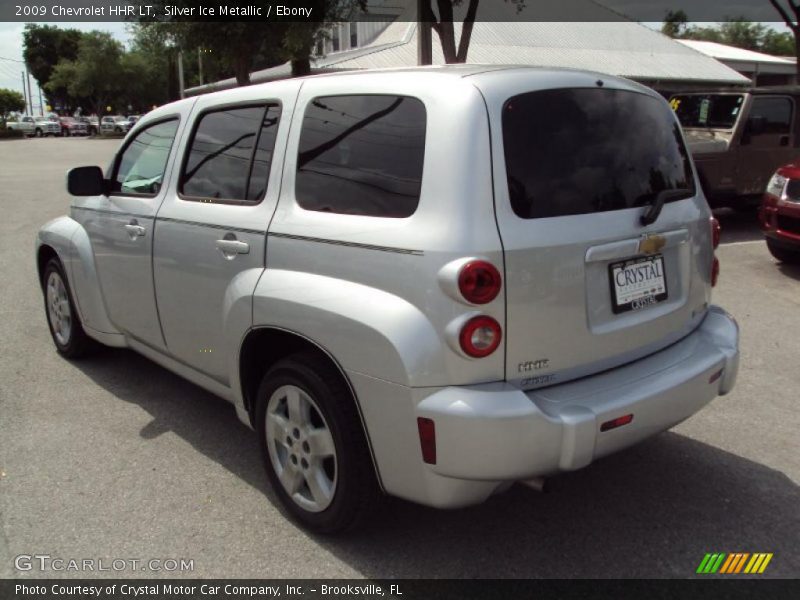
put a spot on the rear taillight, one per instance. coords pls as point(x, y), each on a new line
point(479, 282)
point(715, 232)
point(714, 271)
point(715, 237)
point(480, 336)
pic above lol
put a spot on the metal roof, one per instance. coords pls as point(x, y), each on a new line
point(725, 52)
point(621, 48)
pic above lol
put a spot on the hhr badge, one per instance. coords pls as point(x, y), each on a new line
point(651, 244)
point(533, 365)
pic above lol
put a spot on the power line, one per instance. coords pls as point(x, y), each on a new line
point(12, 60)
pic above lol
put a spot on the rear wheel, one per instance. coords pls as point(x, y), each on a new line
point(313, 446)
point(65, 325)
point(782, 254)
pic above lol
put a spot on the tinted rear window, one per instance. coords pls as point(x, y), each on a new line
point(579, 151)
point(362, 155)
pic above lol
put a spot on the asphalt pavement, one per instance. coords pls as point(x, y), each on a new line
point(116, 458)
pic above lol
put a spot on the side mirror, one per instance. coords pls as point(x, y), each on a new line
point(86, 181)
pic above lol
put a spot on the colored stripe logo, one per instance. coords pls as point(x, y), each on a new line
point(734, 563)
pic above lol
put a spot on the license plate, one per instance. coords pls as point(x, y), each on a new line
point(637, 283)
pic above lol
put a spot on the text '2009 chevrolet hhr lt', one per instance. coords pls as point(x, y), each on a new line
point(429, 283)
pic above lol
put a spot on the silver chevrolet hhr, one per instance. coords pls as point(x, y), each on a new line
point(430, 283)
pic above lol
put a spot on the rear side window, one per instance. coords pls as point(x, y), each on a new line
point(579, 151)
point(230, 155)
point(362, 155)
point(776, 112)
point(140, 167)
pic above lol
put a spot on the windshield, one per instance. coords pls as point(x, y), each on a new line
point(718, 111)
point(579, 151)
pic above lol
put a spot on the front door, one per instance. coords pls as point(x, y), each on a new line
point(120, 227)
point(211, 230)
point(763, 150)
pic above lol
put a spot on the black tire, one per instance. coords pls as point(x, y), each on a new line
point(65, 133)
point(38, 133)
point(784, 255)
point(117, 130)
point(356, 491)
point(77, 344)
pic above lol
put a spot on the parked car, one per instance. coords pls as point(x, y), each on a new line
point(72, 126)
point(23, 124)
point(92, 124)
point(738, 139)
point(396, 301)
point(780, 214)
point(133, 118)
point(44, 126)
point(115, 124)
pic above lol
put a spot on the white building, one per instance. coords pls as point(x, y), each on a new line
point(762, 69)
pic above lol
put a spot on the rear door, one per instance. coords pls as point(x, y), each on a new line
point(210, 240)
point(576, 165)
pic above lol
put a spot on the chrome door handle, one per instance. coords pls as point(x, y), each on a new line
point(230, 248)
point(135, 230)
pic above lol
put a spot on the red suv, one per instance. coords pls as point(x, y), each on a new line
point(780, 214)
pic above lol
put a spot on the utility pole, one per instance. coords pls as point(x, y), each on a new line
point(424, 36)
point(24, 92)
point(41, 104)
point(200, 63)
point(180, 74)
point(30, 96)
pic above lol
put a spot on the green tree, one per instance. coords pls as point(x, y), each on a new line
point(789, 11)
point(96, 73)
point(43, 47)
point(242, 47)
point(778, 43)
point(10, 101)
point(675, 23)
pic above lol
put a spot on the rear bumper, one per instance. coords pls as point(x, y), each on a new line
point(496, 433)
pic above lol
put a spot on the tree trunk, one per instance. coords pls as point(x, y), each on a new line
point(466, 31)
point(242, 69)
point(301, 67)
point(796, 34)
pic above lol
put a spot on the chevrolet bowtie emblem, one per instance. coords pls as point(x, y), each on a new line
point(651, 244)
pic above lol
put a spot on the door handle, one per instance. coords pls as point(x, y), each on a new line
point(135, 230)
point(231, 247)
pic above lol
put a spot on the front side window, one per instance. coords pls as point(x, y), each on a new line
point(362, 155)
point(716, 111)
point(140, 167)
point(579, 151)
point(776, 112)
point(230, 154)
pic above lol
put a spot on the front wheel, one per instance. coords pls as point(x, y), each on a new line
point(784, 255)
point(313, 446)
point(38, 133)
point(65, 325)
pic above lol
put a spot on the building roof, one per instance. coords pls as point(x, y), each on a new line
point(616, 47)
point(725, 52)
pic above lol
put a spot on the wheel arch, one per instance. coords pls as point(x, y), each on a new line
point(264, 346)
point(44, 254)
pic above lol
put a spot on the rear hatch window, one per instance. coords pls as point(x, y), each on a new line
point(587, 150)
